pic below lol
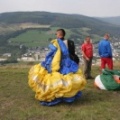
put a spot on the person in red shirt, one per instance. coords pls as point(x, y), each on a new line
point(87, 52)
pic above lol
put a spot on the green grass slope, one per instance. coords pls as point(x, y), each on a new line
point(32, 38)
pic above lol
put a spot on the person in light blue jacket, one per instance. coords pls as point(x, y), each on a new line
point(105, 52)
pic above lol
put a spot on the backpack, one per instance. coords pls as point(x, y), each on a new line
point(71, 49)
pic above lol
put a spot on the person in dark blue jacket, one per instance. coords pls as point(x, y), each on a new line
point(105, 52)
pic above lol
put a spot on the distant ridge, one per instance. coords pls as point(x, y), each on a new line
point(112, 20)
point(59, 20)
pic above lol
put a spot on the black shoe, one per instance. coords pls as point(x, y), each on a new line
point(86, 77)
point(90, 77)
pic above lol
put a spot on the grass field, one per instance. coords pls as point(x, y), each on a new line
point(17, 100)
point(33, 38)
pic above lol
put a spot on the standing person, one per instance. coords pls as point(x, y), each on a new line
point(105, 52)
point(58, 78)
point(87, 52)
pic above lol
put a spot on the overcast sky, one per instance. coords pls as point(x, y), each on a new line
point(98, 8)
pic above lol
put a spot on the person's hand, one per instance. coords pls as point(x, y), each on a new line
point(87, 58)
point(116, 78)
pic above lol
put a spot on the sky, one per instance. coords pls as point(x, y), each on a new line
point(92, 8)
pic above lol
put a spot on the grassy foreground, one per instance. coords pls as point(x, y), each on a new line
point(17, 100)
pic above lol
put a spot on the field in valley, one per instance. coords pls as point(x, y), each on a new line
point(38, 37)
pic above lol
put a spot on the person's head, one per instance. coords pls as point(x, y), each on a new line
point(60, 33)
point(106, 36)
point(88, 39)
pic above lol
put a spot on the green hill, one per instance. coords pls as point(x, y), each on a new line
point(38, 28)
point(58, 20)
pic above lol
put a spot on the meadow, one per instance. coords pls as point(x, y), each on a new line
point(32, 38)
point(17, 100)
